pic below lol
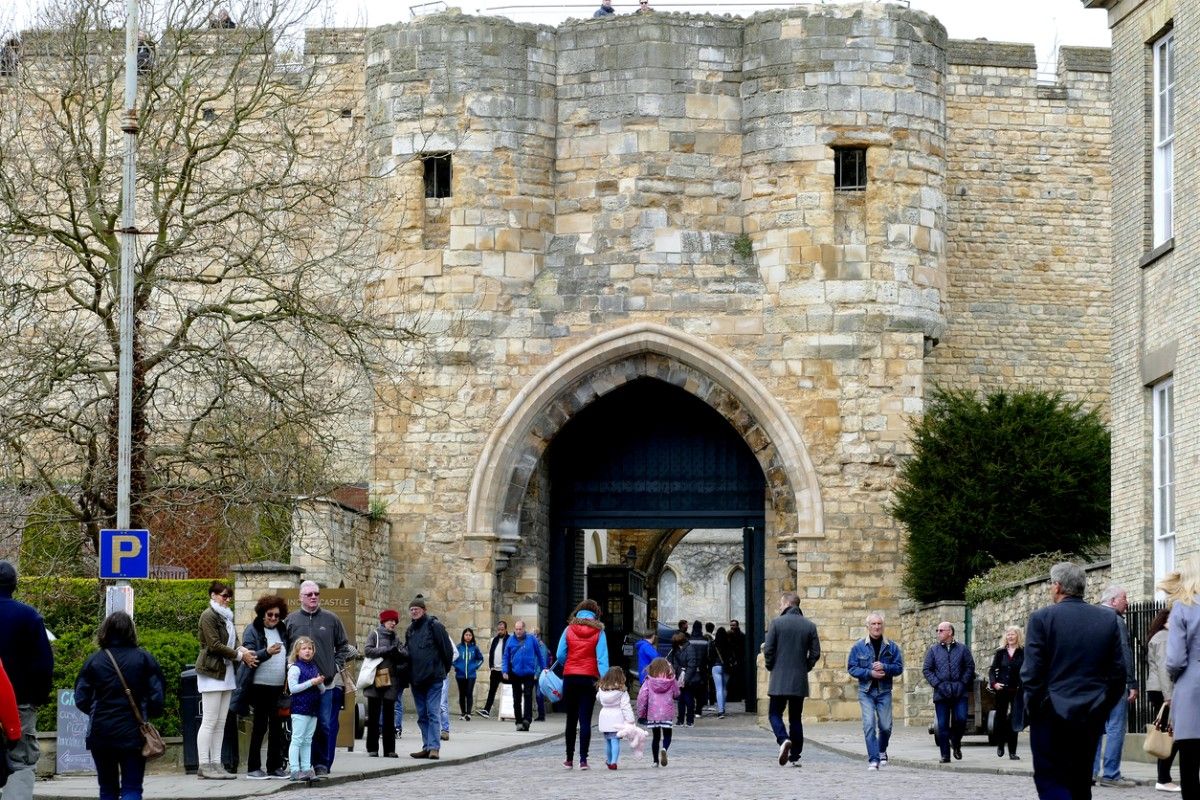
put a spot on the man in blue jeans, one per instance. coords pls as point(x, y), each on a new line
point(334, 649)
point(950, 670)
point(430, 653)
point(875, 660)
point(1115, 599)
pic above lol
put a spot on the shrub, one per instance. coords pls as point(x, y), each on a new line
point(1003, 580)
point(999, 480)
point(173, 649)
point(69, 604)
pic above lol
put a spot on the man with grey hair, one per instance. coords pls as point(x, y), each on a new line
point(1116, 599)
point(334, 649)
point(875, 660)
point(790, 651)
point(1074, 671)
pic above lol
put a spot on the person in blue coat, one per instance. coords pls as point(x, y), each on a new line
point(467, 660)
point(950, 669)
point(875, 661)
point(523, 662)
point(25, 652)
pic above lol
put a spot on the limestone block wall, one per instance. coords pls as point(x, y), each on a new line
point(629, 155)
point(1155, 304)
point(337, 546)
point(991, 617)
point(702, 563)
point(1028, 222)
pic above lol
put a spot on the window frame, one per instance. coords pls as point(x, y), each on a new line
point(1163, 114)
point(1162, 403)
point(840, 179)
point(432, 175)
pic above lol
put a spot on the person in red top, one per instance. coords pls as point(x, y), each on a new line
point(583, 651)
point(10, 718)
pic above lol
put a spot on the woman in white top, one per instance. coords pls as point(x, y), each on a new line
point(214, 678)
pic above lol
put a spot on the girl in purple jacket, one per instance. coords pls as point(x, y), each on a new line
point(656, 705)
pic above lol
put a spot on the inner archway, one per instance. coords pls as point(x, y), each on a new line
point(647, 455)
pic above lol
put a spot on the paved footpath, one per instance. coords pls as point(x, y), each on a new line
point(730, 758)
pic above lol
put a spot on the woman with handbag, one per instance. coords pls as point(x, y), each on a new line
point(261, 690)
point(1159, 689)
point(214, 678)
point(115, 719)
point(1004, 678)
point(383, 643)
point(1183, 654)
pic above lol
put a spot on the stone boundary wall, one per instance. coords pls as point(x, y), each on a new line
point(980, 627)
point(336, 545)
point(991, 617)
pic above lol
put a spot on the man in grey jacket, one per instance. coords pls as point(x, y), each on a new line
point(334, 649)
point(791, 650)
point(1115, 599)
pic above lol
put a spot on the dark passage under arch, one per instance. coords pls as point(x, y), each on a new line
point(651, 455)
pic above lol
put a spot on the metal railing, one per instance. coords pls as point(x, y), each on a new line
point(1138, 617)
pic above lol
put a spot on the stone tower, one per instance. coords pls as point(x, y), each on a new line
point(752, 211)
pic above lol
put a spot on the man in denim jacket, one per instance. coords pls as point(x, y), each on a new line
point(875, 660)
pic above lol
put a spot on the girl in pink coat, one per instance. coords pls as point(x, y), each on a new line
point(656, 705)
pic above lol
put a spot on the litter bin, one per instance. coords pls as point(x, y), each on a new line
point(189, 717)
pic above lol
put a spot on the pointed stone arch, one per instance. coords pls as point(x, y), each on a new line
point(595, 367)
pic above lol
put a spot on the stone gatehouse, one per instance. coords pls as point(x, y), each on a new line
point(802, 220)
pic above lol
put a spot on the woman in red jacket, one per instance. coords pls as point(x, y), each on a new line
point(10, 720)
point(583, 652)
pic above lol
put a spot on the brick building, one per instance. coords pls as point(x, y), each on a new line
point(1156, 302)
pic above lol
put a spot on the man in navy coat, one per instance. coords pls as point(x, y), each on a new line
point(1074, 672)
point(29, 662)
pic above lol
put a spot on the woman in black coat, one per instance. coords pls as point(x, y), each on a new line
point(113, 735)
point(1004, 678)
point(261, 688)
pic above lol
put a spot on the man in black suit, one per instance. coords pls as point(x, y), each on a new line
point(1073, 673)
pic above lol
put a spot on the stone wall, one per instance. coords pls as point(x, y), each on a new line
point(1028, 220)
point(1156, 302)
point(702, 562)
point(603, 171)
point(338, 546)
point(981, 627)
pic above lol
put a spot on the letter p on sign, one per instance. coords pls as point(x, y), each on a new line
point(124, 554)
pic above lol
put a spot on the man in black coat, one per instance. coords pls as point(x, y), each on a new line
point(1074, 672)
point(29, 662)
point(430, 654)
point(790, 651)
point(950, 670)
point(495, 667)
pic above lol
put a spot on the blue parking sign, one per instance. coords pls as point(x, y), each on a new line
point(124, 554)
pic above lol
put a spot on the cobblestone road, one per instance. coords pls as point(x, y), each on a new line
point(726, 762)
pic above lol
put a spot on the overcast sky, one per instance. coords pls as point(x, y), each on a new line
point(1039, 22)
point(1044, 23)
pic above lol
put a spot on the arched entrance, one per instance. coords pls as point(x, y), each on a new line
point(651, 455)
point(509, 501)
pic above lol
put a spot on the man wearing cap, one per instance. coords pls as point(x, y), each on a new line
point(431, 654)
point(25, 653)
point(334, 649)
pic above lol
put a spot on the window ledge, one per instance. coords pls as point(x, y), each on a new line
point(1157, 253)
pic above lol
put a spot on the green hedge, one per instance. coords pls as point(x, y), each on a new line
point(167, 613)
point(73, 604)
point(175, 650)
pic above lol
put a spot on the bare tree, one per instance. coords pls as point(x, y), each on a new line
point(256, 345)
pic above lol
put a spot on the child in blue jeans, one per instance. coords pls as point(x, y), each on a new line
point(615, 711)
point(305, 683)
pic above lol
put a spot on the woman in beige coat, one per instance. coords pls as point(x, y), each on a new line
point(214, 678)
point(1158, 688)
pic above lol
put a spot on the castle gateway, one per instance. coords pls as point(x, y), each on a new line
point(695, 271)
